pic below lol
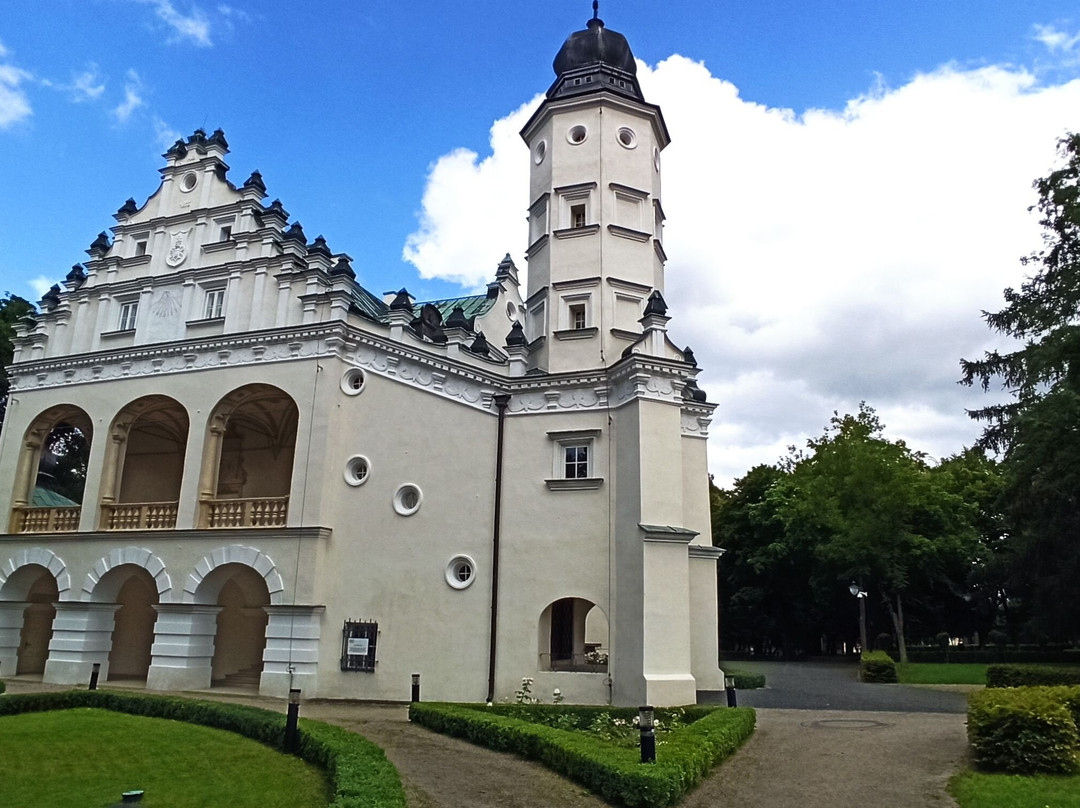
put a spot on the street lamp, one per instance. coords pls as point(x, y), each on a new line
point(860, 593)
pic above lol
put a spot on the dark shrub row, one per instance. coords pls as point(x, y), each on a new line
point(1029, 730)
point(1030, 675)
point(877, 666)
point(361, 775)
point(615, 773)
point(744, 680)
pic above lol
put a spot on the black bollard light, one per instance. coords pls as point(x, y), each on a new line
point(729, 687)
point(131, 797)
point(648, 734)
point(416, 687)
point(94, 675)
point(291, 732)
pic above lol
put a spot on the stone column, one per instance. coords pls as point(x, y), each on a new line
point(291, 656)
point(704, 642)
point(183, 648)
point(82, 635)
point(12, 614)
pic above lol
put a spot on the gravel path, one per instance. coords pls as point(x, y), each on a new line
point(823, 739)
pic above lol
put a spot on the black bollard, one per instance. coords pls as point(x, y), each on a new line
point(729, 687)
point(292, 734)
point(94, 675)
point(648, 734)
point(415, 687)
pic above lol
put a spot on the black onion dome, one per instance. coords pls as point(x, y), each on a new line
point(594, 60)
point(595, 44)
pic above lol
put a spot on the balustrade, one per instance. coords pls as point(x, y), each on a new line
point(47, 520)
point(140, 516)
point(254, 512)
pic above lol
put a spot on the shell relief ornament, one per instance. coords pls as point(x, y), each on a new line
point(178, 248)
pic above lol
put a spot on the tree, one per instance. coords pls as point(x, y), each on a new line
point(875, 513)
point(12, 310)
point(1038, 431)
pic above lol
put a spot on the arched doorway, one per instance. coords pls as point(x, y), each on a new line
point(573, 636)
point(35, 586)
point(248, 460)
point(242, 595)
point(145, 465)
point(133, 589)
point(51, 472)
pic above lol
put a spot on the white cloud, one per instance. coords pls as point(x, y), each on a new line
point(87, 85)
point(164, 134)
point(473, 210)
point(193, 27)
point(132, 100)
point(816, 260)
point(1055, 39)
point(40, 285)
point(14, 103)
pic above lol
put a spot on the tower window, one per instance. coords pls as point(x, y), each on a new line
point(577, 315)
point(575, 462)
point(226, 232)
point(577, 215)
point(140, 248)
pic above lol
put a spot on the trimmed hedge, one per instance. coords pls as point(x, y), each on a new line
point(990, 654)
point(3, 687)
point(744, 680)
point(1030, 730)
point(361, 775)
point(1030, 676)
point(877, 666)
point(614, 773)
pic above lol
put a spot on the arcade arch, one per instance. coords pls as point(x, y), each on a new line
point(573, 636)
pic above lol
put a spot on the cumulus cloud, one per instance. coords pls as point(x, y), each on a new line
point(132, 98)
point(193, 27)
point(473, 210)
point(817, 259)
point(14, 103)
point(164, 134)
point(40, 285)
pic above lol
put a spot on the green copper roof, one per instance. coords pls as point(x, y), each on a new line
point(44, 498)
point(371, 306)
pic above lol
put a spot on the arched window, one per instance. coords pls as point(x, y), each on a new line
point(248, 459)
point(51, 472)
point(573, 637)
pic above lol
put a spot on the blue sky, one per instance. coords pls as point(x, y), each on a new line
point(790, 121)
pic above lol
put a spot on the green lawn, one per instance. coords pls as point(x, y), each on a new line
point(88, 758)
point(941, 673)
point(977, 790)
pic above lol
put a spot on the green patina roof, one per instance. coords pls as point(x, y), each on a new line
point(372, 306)
point(44, 498)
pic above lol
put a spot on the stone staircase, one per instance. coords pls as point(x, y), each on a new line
point(247, 679)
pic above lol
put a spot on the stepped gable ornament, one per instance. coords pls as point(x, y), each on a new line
point(256, 181)
point(51, 298)
point(480, 345)
point(457, 319)
point(516, 335)
point(128, 207)
point(77, 276)
point(178, 247)
point(319, 247)
point(343, 267)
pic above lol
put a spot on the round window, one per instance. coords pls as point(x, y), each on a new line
point(407, 499)
point(511, 312)
point(352, 382)
point(577, 134)
point(357, 469)
point(539, 152)
point(461, 571)
point(627, 137)
point(190, 180)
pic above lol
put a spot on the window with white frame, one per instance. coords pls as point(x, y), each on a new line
point(574, 459)
point(214, 307)
point(576, 312)
point(574, 208)
point(129, 312)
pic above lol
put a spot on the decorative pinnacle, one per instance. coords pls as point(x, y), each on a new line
point(595, 8)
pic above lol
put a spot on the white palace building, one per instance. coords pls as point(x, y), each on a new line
point(290, 481)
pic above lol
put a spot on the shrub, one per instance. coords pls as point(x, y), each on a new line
point(1030, 675)
point(744, 680)
point(614, 773)
point(361, 774)
point(3, 687)
point(1029, 730)
point(877, 666)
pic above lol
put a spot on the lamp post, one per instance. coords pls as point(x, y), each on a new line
point(860, 593)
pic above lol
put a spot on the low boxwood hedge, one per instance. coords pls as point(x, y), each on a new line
point(3, 687)
point(1028, 730)
point(744, 680)
point(1031, 675)
point(683, 758)
point(362, 777)
point(877, 666)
